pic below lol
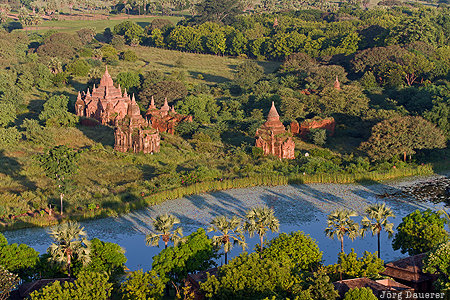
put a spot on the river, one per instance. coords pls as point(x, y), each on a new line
point(298, 207)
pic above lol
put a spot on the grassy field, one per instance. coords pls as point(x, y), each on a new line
point(98, 25)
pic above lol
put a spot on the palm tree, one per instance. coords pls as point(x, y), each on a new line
point(376, 220)
point(260, 219)
point(163, 225)
point(69, 242)
point(230, 233)
point(340, 225)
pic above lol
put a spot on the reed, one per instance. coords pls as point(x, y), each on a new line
point(220, 185)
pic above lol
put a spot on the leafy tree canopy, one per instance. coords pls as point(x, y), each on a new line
point(402, 135)
point(296, 250)
point(195, 254)
point(19, 259)
point(55, 112)
point(420, 232)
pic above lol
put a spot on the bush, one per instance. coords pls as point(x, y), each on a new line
point(78, 68)
point(129, 55)
point(128, 80)
point(360, 294)
point(248, 73)
point(86, 287)
point(369, 265)
point(317, 136)
point(118, 41)
point(140, 285)
point(8, 114)
point(109, 53)
point(55, 112)
point(9, 136)
point(86, 35)
point(36, 133)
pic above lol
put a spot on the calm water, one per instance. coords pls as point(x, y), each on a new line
point(298, 207)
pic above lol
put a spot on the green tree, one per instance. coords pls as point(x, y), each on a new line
point(202, 107)
point(78, 67)
point(438, 262)
point(230, 233)
point(196, 253)
point(8, 281)
point(128, 80)
point(9, 136)
point(317, 136)
point(87, 286)
point(59, 164)
point(105, 257)
point(8, 115)
point(420, 232)
point(248, 73)
point(360, 294)
point(402, 135)
point(296, 250)
point(259, 220)
point(55, 112)
point(37, 133)
point(350, 266)
point(340, 224)
point(163, 227)
point(142, 286)
point(248, 277)
point(109, 53)
point(69, 243)
point(375, 220)
point(19, 259)
point(218, 10)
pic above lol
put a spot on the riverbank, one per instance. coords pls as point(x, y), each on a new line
point(44, 218)
point(298, 206)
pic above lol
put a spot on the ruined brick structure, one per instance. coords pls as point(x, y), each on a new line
point(302, 130)
point(273, 138)
point(134, 133)
point(165, 119)
point(106, 103)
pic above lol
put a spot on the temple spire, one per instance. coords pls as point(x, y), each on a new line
point(273, 114)
point(152, 102)
point(165, 107)
point(337, 84)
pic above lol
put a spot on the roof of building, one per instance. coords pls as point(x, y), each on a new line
point(408, 269)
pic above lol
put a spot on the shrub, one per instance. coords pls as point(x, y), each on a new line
point(360, 294)
point(129, 55)
point(140, 285)
point(78, 67)
point(86, 35)
point(369, 265)
point(36, 133)
point(8, 114)
point(109, 53)
point(55, 112)
point(317, 136)
point(9, 136)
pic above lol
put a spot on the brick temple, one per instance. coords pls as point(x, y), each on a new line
point(273, 137)
point(134, 133)
point(106, 103)
point(166, 118)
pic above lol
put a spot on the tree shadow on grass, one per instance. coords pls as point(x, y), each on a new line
point(12, 168)
point(99, 134)
point(209, 77)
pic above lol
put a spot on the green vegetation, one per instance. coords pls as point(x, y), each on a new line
point(420, 232)
point(376, 220)
point(340, 224)
point(392, 103)
point(163, 225)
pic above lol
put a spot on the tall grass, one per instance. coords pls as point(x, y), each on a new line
point(212, 186)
